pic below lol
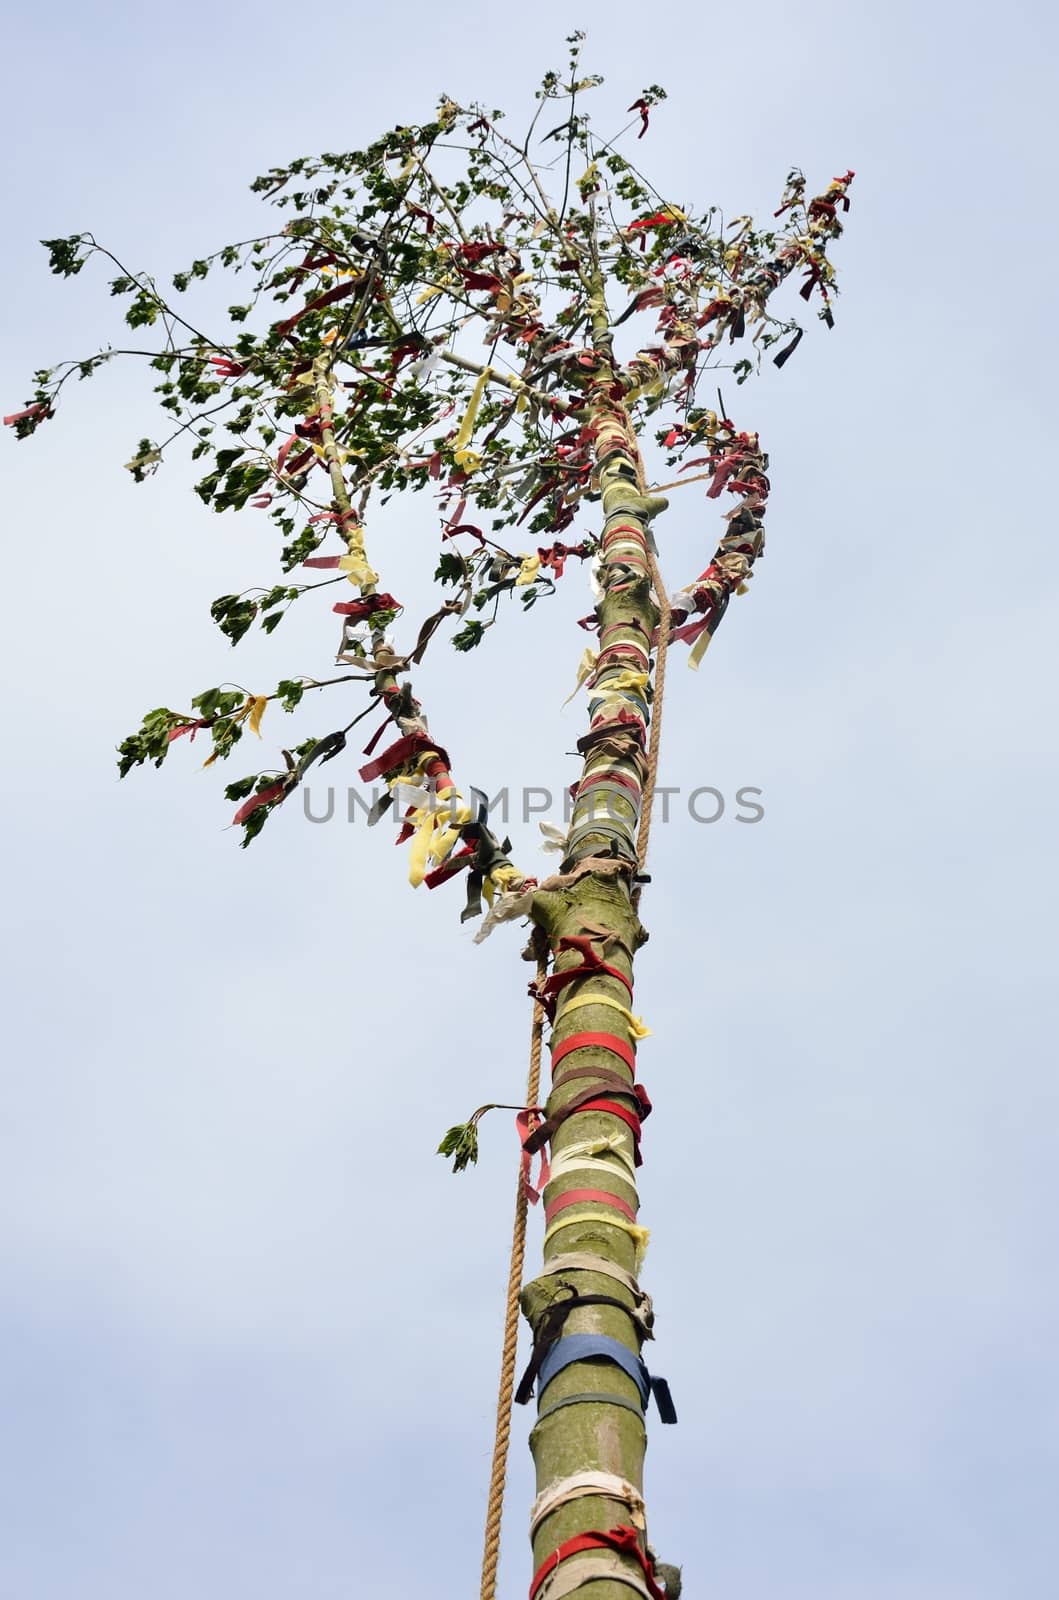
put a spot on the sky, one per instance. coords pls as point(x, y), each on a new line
point(249, 1322)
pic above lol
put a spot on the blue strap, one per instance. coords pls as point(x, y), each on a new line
point(598, 1347)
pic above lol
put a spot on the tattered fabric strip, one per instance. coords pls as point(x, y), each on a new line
point(605, 1154)
point(639, 1236)
point(606, 1484)
point(599, 1197)
point(592, 1101)
point(598, 1398)
point(548, 1326)
point(622, 1540)
point(588, 1261)
point(638, 1029)
point(598, 1347)
point(594, 1041)
point(582, 1570)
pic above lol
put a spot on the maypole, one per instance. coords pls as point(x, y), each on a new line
point(369, 384)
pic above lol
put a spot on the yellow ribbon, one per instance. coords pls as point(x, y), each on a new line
point(355, 562)
point(463, 457)
point(528, 571)
point(257, 711)
point(638, 1029)
point(639, 1236)
point(699, 649)
point(436, 832)
point(627, 681)
point(502, 877)
point(585, 670)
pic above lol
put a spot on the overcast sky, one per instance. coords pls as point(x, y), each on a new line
point(249, 1323)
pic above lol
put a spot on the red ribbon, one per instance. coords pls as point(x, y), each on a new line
point(623, 1538)
point(526, 1122)
point(397, 754)
point(187, 727)
point(598, 1197)
point(643, 107)
point(449, 868)
point(596, 1102)
point(275, 791)
point(30, 411)
point(604, 1041)
point(339, 292)
point(590, 962)
point(360, 610)
point(620, 778)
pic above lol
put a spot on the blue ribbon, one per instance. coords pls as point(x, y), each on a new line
point(597, 1347)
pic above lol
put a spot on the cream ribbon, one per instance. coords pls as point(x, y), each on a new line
point(581, 1483)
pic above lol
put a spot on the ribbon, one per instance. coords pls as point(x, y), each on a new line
point(623, 727)
point(588, 1261)
point(264, 797)
point(355, 563)
point(598, 1347)
point(600, 1398)
point(606, 1484)
point(585, 670)
point(591, 800)
point(626, 681)
point(436, 828)
point(397, 755)
point(573, 1577)
point(623, 1540)
point(366, 606)
point(188, 727)
point(599, 1197)
point(586, 1041)
point(591, 1100)
point(589, 1156)
point(546, 992)
point(640, 1236)
point(526, 1122)
point(464, 457)
point(638, 1029)
point(549, 1326)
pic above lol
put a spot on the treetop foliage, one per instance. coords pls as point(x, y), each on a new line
point(440, 312)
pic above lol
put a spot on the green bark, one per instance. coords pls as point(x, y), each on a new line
point(599, 1437)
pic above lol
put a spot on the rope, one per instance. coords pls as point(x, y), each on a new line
point(497, 1477)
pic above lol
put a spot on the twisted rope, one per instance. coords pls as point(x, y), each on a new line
point(498, 1476)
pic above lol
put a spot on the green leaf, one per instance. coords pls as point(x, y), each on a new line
point(460, 1145)
point(450, 568)
point(233, 614)
point(470, 634)
point(67, 256)
point(290, 693)
point(151, 740)
point(144, 310)
point(241, 789)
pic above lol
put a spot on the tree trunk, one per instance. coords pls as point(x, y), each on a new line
point(603, 1436)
